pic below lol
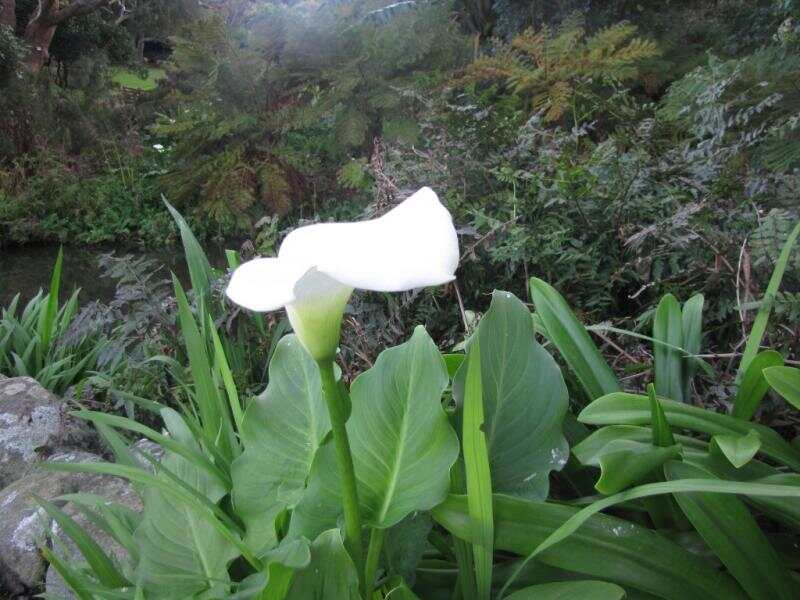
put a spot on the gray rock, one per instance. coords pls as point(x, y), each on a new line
point(24, 524)
point(149, 447)
point(32, 419)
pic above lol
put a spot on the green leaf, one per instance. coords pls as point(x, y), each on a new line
point(398, 590)
point(282, 563)
point(401, 440)
point(785, 381)
point(573, 342)
point(181, 552)
point(570, 590)
point(73, 578)
point(221, 365)
point(760, 324)
point(692, 338)
point(524, 398)
point(631, 409)
point(405, 544)
point(479, 480)
point(200, 272)
point(453, 363)
point(753, 385)
point(738, 449)
point(99, 562)
point(188, 451)
point(605, 547)
point(330, 574)
point(589, 450)
point(662, 433)
point(571, 525)
point(48, 312)
point(282, 430)
point(214, 415)
point(784, 510)
point(624, 463)
point(668, 362)
point(733, 534)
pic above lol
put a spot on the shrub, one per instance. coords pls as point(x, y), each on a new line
point(471, 485)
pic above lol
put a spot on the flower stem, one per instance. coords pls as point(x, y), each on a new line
point(373, 556)
point(338, 414)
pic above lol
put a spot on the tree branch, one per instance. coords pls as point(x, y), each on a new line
point(77, 8)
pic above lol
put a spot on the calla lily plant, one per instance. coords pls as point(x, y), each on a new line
point(414, 245)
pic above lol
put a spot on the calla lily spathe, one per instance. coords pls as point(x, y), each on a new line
point(413, 245)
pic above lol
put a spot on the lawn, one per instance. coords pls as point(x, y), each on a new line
point(131, 79)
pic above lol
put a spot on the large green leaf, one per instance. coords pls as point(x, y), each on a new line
point(733, 534)
point(785, 381)
point(281, 432)
point(667, 361)
point(330, 574)
point(181, 552)
point(753, 385)
point(570, 590)
point(525, 400)
point(631, 409)
point(604, 547)
point(572, 341)
point(401, 440)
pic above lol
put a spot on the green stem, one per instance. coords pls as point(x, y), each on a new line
point(373, 556)
point(338, 415)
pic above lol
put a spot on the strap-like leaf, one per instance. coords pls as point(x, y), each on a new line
point(760, 324)
point(668, 362)
point(479, 479)
point(573, 342)
point(736, 539)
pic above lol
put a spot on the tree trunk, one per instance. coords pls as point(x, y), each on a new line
point(43, 23)
point(8, 16)
point(38, 35)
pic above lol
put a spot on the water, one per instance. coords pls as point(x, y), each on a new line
point(26, 269)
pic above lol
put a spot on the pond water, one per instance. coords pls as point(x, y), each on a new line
point(26, 269)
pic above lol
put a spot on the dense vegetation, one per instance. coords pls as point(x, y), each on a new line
point(593, 144)
point(628, 171)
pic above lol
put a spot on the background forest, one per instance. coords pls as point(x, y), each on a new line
point(626, 172)
point(618, 149)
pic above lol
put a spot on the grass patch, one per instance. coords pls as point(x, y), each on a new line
point(132, 80)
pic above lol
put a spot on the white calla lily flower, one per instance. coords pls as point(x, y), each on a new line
point(413, 245)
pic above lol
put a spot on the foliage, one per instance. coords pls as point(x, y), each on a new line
point(45, 340)
point(555, 70)
point(12, 52)
point(668, 468)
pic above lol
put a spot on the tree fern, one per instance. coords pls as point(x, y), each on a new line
point(551, 68)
